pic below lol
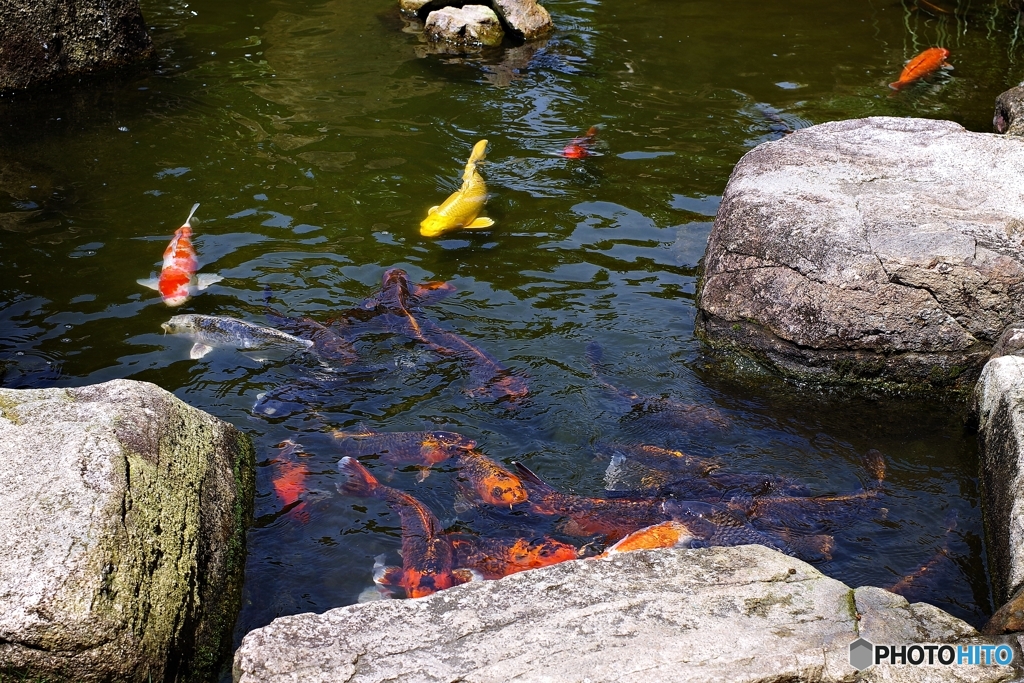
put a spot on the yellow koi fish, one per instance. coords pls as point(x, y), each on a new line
point(461, 209)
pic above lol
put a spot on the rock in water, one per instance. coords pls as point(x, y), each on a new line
point(42, 40)
point(526, 17)
point(1008, 117)
point(718, 614)
point(878, 251)
point(469, 25)
point(122, 534)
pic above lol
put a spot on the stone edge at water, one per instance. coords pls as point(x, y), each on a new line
point(718, 614)
point(44, 40)
point(999, 410)
point(882, 252)
point(122, 532)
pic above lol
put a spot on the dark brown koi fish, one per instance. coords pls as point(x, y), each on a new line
point(494, 558)
point(611, 518)
point(404, 448)
point(492, 379)
point(427, 554)
point(327, 343)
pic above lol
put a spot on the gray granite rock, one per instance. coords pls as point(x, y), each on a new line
point(525, 17)
point(42, 40)
point(468, 25)
point(999, 408)
point(122, 522)
point(878, 251)
point(718, 614)
point(1009, 112)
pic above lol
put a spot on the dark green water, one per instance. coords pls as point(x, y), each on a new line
point(316, 134)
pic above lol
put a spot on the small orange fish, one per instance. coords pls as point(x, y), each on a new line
point(492, 483)
point(289, 485)
point(926, 63)
point(178, 280)
point(579, 148)
point(494, 558)
point(669, 534)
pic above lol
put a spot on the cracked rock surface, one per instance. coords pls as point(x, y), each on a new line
point(719, 614)
point(880, 250)
point(122, 520)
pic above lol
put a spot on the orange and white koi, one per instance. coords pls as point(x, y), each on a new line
point(671, 534)
point(924, 64)
point(178, 280)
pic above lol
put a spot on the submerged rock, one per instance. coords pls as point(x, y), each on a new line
point(874, 251)
point(41, 40)
point(122, 534)
point(999, 408)
point(468, 25)
point(718, 614)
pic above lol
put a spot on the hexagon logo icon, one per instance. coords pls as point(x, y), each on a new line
point(861, 654)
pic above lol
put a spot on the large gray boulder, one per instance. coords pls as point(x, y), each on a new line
point(999, 409)
point(122, 534)
point(718, 614)
point(469, 25)
point(42, 40)
point(878, 251)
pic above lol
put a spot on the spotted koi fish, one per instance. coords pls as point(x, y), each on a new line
point(493, 558)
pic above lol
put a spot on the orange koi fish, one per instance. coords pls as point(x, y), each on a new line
point(492, 379)
point(427, 554)
point(396, 448)
point(579, 148)
point(926, 63)
point(611, 518)
point(671, 534)
point(494, 558)
point(178, 280)
point(289, 482)
point(492, 483)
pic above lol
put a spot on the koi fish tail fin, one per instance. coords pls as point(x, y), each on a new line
point(897, 85)
point(358, 480)
point(591, 133)
point(478, 154)
point(190, 214)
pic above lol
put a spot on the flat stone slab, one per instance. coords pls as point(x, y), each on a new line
point(122, 534)
point(880, 251)
point(717, 614)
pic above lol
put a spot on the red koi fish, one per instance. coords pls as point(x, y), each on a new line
point(494, 558)
point(611, 518)
point(289, 482)
point(926, 63)
point(671, 534)
point(427, 554)
point(178, 280)
point(579, 148)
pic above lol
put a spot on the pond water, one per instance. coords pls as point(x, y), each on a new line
point(316, 134)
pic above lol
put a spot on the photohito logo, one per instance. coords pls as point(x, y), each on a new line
point(864, 653)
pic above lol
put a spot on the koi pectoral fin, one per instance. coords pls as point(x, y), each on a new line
point(479, 223)
point(151, 282)
point(199, 350)
point(204, 280)
point(433, 209)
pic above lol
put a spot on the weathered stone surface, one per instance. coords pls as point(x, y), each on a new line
point(122, 521)
point(469, 25)
point(1010, 342)
point(879, 251)
point(526, 17)
point(717, 614)
point(411, 6)
point(999, 408)
point(41, 40)
point(1008, 117)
